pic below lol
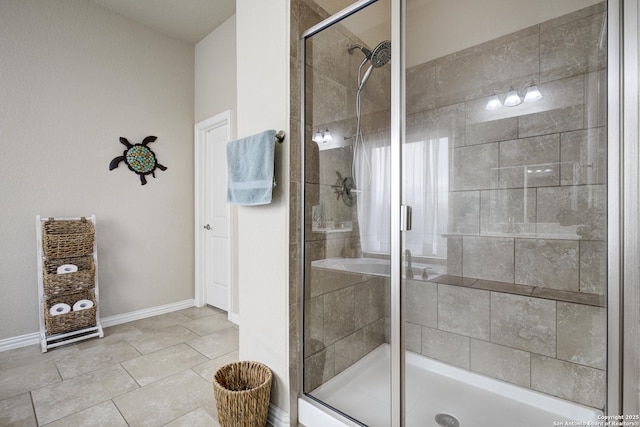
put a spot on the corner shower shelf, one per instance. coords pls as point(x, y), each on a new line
point(54, 334)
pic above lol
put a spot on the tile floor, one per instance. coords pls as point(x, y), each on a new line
point(151, 372)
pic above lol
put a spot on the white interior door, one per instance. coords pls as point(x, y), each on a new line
point(216, 217)
point(213, 233)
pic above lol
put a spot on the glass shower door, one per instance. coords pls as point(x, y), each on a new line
point(504, 165)
point(346, 285)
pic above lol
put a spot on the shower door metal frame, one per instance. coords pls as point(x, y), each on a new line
point(627, 313)
point(623, 295)
point(614, 219)
point(397, 139)
point(396, 341)
point(397, 291)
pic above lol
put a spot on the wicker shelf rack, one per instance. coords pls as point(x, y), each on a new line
point(67, 241)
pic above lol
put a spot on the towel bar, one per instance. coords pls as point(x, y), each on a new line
point(280, 136)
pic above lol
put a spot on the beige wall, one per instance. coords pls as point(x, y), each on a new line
point(215, 92)
point(74, 77)
point(215, 70)
point(263, 238)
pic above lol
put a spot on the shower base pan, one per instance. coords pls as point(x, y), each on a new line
point(434, 389)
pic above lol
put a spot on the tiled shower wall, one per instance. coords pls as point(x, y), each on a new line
point(344, 321)
point(546, 227)
point(553, 346)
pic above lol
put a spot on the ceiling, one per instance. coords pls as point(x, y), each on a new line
point(186, 20)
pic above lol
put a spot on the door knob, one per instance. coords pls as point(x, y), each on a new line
point(207, 227)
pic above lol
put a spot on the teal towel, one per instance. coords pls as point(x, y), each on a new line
point(250, 166)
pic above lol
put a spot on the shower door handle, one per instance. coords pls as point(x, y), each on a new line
point(405, 218)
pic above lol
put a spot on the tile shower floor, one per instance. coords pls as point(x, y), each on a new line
point(153, 372)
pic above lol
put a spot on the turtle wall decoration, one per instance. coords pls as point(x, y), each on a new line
point(139, 158)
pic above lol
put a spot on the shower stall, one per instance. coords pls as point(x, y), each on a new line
point(455, 213)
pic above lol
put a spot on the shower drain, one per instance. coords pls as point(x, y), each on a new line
point(446, 420)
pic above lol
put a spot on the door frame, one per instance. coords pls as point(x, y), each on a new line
point(199, 162)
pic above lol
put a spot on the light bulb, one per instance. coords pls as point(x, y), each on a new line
point(512, 99)
point(317, 137)
point(327, 136)
point(493, 103)
point(533, 94)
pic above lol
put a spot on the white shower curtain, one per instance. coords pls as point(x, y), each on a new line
point(372, 180)
point(426, 190)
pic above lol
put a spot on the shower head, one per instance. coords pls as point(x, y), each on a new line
point(381, 54)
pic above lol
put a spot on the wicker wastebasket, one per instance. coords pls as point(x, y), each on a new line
point(242, 391)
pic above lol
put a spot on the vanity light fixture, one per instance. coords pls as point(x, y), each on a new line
point(513, 97)
point(320, 136)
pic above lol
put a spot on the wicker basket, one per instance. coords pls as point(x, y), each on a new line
point(242, 391)
point(72, 321)
point(67, 238)
point(81, 280)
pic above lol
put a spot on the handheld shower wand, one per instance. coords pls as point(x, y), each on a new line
point(377, 58)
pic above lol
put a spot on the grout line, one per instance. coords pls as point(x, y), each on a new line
point(119, 411)
point(579, 266)
point(33, 408)
point(57, 369)
point(130, 374)
point(530, 370)
point(556, 325)
point(490, 317)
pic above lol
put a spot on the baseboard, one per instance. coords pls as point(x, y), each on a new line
point(145, 312)
point(277, 417)
point(34, 338)
point(234, 318)
point(19, 341)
